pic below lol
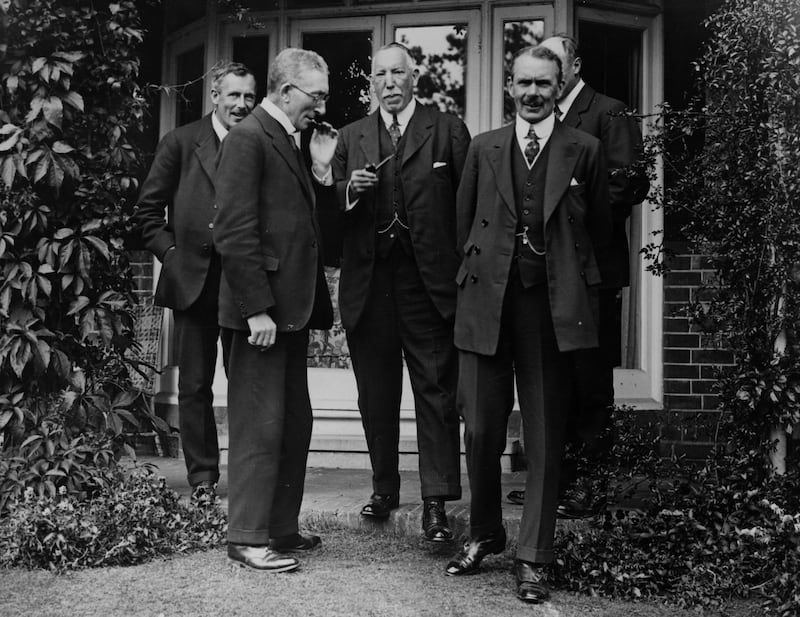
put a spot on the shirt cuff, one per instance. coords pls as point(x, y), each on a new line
point(350, 204)
point(326, 179)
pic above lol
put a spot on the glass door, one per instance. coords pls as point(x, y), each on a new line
point(615, 48)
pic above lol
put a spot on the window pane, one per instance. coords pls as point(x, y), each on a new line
point(441, 53)
point(189, 77)
point(253, 52)
point(348, 55)
point(178, 13)
point(517, 35)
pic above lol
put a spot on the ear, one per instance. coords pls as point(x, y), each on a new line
point(509, 82)
point(414, 76)
point(576, 66)
point(214, 97)
point(284, 91)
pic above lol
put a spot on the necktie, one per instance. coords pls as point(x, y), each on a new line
point(394, 131)
point(557, 111)
point(532, 149)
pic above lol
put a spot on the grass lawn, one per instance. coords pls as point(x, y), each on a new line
point(353, 573)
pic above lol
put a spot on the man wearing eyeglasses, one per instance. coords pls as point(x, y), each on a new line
point(396, 173)
point(273, 290)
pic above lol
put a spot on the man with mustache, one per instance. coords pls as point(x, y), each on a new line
point(396, 173)
point(174, 214)
point(273, 290)
point(532, 211)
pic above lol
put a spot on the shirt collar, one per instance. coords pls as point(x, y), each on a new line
point(403, 116)
point(219, 129)
point(276, 112)
point(565, 103)
point(543, 128)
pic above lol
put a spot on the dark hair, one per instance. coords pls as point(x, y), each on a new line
point(224, 68)
point(543, 53)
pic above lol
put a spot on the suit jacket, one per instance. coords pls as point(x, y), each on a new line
point(266, 230)
point(621, 137)
point(176, 207)
point(577, 221)
point(433, 156)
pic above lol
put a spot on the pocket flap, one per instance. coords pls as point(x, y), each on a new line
point(270, 263)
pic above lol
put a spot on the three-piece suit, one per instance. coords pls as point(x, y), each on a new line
point(267, 233)
point(522, 313)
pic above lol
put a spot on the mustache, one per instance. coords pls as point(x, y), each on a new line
point(532, 100)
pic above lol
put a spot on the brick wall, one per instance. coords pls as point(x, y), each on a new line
point(142, 266)
point(691, 359)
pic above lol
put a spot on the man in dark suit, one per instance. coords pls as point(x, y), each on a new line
point(589, 426)
point(273, 290)
point(397, 295)
point(175, 210)
point(532, 212)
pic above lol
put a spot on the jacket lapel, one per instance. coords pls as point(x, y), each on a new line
point(280, 141)
point(499, 155)
point(205, 147)
point(369, 139)
point(560, 165)
point(417, 132)
point(579, 106)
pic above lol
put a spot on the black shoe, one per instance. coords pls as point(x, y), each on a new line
point(517, 497)
point(295, 543)
point(204, 493)
point(531, 582)
point(467, 560)
point(434, 522)
point(260, 558)
point(380, 506)
point(580, 503)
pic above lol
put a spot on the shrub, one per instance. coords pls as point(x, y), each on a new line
point(132, 519)
point(70, 112)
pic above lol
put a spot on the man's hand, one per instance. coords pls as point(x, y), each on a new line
point(362, 180)
point(322, 146)
point(262, 331)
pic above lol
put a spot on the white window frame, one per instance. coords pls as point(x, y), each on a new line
point(471, 17)
point(493, 93)
point(643, 387)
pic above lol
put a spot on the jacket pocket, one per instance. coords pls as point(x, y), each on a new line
point(461, 275)
point(270, 263)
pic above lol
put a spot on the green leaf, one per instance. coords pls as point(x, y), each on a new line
point(53, 110)
point(78, 304)
point(74, 99)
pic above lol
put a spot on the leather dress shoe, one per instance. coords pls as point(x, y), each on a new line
point(517, 497)
point(204, 493)
point(580, 503)
point(531, 582)
point(261, 558)
point(467, 560)
point(434, 522)
point(295, 543)
point(380, 506)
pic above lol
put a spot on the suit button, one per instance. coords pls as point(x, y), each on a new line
point(529, 184)
point(391, 235)
point(484, 223)
point(313, 244)
point(571, 219)
point(206, 247)
point(215, 206)
point(583, 274)
point(577, 245)
point(473, 278)
point(477, 250)
point(211, 225)
point(526, 212)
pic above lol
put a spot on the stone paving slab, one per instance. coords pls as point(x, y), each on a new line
point(333, 497)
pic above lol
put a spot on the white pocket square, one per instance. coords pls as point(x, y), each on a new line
point(574, 182)
point(438, 164)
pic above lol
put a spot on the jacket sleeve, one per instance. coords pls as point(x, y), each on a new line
point(466, 197)
point(237, 226)
point(600, 221)
point(459, 143)
point(622, 141)
point(157, 194)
